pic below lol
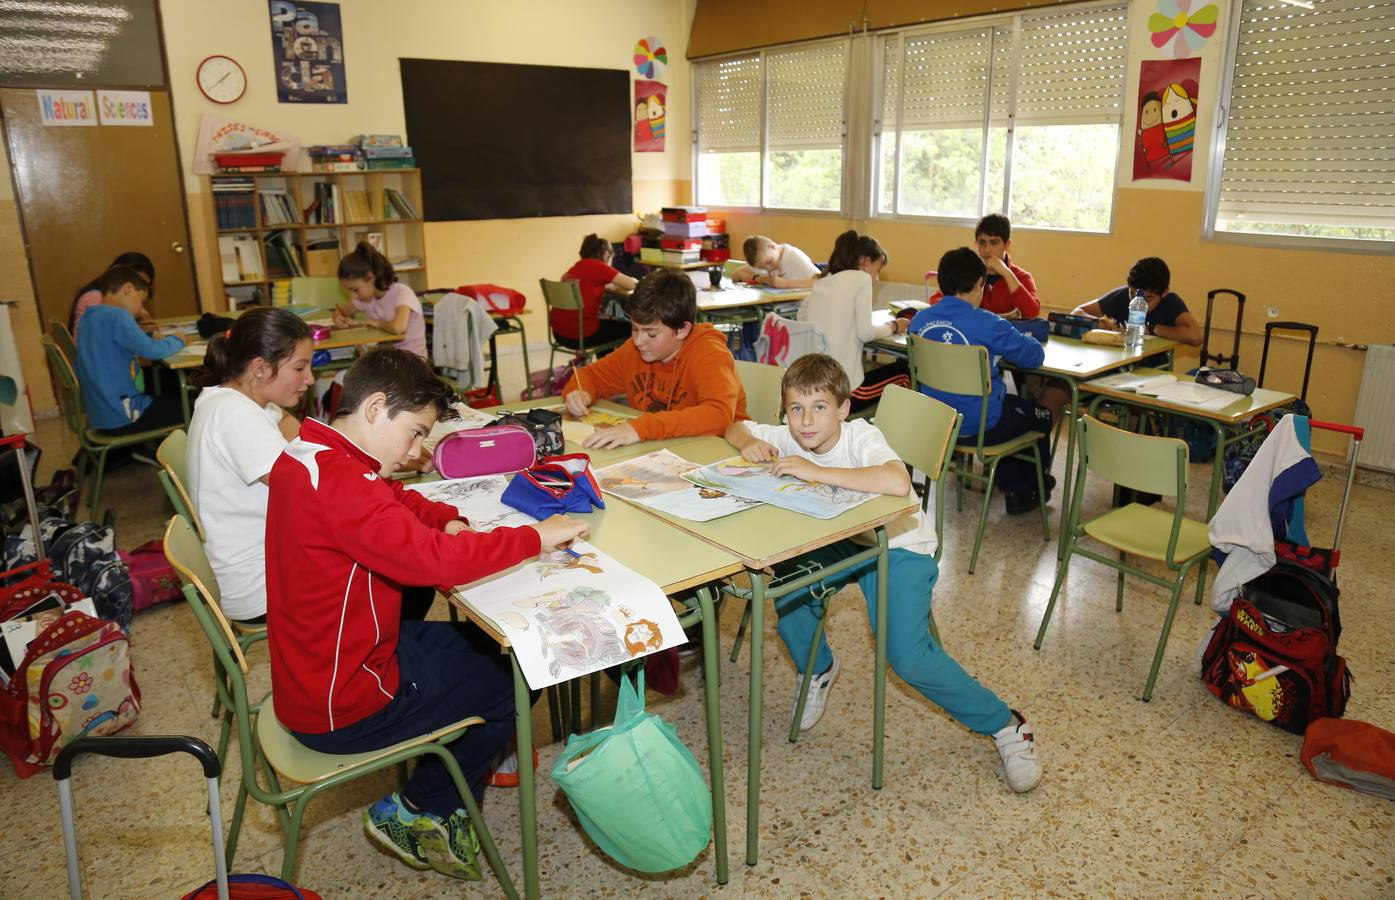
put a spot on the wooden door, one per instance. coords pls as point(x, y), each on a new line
point(88, 194)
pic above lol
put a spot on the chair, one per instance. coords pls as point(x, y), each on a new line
point(567, 295)
point(964, 369)
point(762, 386)
point(58, 330)
point(1156, 465)
point(324, 293)
point(284, 756)
point(93, 445)
point(172, 455)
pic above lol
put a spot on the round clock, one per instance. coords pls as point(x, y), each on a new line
point(221, 79)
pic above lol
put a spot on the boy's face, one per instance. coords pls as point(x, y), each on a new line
point(656, 342)
point(815, 418)
point(394, 440)
point(990, 246)
point(131, 298)
point(768, 256)
point(1153, 298)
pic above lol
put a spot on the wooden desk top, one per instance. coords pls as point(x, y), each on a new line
point(1071, 358)
point(731, 295)
point(192, 355)
point(1243, 409)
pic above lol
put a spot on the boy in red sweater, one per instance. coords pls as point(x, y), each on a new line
point(347, 673)
point(1010, 290)
point(676, 371)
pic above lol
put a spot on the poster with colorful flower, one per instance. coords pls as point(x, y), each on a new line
point(1165, 131)
point(650, 57)
point(1175, 23)
point(650, 102)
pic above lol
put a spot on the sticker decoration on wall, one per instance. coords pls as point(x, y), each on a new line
point(650, 57)
point(1165, 130)
point(1187, 31)
point(650, 103)
point(307, 41)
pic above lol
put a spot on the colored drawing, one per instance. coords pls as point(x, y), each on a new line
point(753, 481)
point(477, 499)
point(1165, 131)
point(656, 481)
point(650, 103)
point(650, 57)
point(1174, 23)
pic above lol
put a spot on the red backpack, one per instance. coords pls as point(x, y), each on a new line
point(1275, 654)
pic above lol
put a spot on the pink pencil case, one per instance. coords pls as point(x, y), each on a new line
point(320, 332)
point(485, 451)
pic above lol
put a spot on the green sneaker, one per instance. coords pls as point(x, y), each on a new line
point(451, 847)
point(391, 825)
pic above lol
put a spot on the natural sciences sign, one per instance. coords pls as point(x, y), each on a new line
point(67, 107)
point(125, 108)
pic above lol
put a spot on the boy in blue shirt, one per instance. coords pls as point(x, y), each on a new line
point(957, 319)
point(110, 345)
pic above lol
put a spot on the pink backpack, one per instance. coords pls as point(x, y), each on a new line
point(153, 579)
point(485, 451)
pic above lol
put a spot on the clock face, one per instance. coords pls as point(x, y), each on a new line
point(221, 79)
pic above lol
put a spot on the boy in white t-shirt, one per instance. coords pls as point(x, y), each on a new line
point(820, 446)
point(776, 265)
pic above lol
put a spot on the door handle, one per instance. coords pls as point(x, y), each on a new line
point(176, 246)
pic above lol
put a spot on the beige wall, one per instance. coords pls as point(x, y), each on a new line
point(1346, 294)
point(593, 34)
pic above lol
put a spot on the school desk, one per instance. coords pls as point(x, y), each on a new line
point(764, 536)
point(678, 563)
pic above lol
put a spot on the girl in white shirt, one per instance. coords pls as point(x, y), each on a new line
point(240, 427)
point(840, 306)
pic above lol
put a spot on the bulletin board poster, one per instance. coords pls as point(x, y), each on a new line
point(650, 102)
point(1165, 131)
point(307, 41)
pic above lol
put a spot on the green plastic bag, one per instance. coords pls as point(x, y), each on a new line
point(636, 789)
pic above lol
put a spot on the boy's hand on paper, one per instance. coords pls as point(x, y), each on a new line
point(559, 531)
point(456, 526)
point(798, 466)
point(760, 452)
point(612, 436)
point(578, 403)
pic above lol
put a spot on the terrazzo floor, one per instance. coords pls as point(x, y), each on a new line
point(1181, 796)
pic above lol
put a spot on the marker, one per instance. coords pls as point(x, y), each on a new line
point(570, 552)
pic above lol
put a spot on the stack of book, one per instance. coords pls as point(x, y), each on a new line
point(283, 256)
point(325, 208)
point(234, 203)
point(335, 158)
point(250, 163)
point(397, 206)
point(385, 151)
point(277, 208)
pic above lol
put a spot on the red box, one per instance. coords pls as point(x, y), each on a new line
point(717, 254)
point(679, 243)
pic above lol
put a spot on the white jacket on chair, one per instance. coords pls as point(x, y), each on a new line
point(460, 329)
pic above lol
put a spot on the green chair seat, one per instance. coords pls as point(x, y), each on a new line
point(293, 760)
point(1008, 447)
point(133, 437)
point(1140, 530)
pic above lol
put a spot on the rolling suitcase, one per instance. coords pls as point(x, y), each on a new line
point(1221, 360)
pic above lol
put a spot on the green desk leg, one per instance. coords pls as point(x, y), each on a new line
point(879, 676)
point(711, 647)
point(757, 607)
point(1071, 426)
point(183, 396)
point(527, 812)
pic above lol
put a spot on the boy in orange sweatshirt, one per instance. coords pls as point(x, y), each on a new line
point(676, 371)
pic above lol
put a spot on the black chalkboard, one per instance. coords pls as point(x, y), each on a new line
point(501, 141)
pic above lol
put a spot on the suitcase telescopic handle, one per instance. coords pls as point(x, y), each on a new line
point(1312, 332)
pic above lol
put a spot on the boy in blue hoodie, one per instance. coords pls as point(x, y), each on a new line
point(957, 319)
point(109, 348)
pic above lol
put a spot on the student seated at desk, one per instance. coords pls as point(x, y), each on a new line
point(90, 295)
point(593, 273)
point(373, 288)
point(818, 445)
point(1168, 316)
point(775, 265)
point(956, 319)
point(676, 371)
point(840, 306)
point(109, 350)
point(348, 674)
point(1010, 289)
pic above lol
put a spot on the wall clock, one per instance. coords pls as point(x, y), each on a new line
point(221, 79)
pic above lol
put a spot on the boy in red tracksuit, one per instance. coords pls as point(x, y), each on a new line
point(1010, 290)
point(347, 673)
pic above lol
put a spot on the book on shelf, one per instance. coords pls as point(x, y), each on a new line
point(356, 207)
point(406, 263)
point(374, 239)
point(397, 206)
point(277, 208)
point(283, 258)
point(240, 258)
point(234, 202)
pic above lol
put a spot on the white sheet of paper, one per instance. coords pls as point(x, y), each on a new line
point(754, 482)
point(656, 480)
point(1199, 395)
point(477, 499)
point(1143, 384)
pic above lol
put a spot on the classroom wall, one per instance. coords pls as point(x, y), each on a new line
point(1342, 292)
point(596, 34)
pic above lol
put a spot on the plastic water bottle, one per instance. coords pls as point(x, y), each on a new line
point(1133, 330)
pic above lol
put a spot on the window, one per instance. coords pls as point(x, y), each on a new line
point(1306, 147)
point(1017, 115)
point(770, 129)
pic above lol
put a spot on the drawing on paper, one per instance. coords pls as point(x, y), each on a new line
point(753, 482)
point(477, 499)
point(560, 561)
point(641, 636)
point(574, 630)
point(656, 481)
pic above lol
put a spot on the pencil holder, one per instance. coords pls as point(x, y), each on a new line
point(556, 485)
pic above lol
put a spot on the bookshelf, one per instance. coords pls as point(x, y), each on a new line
point(259, 218)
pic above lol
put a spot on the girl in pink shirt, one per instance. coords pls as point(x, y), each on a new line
point(373, 288)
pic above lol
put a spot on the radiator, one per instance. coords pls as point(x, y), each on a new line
point(1375, 408)
point(888, 291)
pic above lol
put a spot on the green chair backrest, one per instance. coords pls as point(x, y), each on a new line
point(63, 337)
point(561, 294)
point(921, 429)
point(69, 394)
point(952, 368)
point(762, 386)
point(324, 293)
point(185, 553)
point(173, 454)
point(1155, 465)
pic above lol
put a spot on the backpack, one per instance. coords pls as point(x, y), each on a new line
point(153, 579)
point(85, 556)
point(75, 680)
point(1275, 654)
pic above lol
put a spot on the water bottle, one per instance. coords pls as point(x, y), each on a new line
point(1133, 330)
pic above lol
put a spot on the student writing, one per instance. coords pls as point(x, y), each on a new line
point(373, 288)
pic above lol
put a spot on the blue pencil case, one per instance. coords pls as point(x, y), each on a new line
point(554, 486)
point(1036, 328)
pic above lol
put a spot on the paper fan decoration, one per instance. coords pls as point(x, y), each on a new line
point(1187, 31)
point(650, 57)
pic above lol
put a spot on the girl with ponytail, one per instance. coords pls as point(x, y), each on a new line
point(840, 306)
point(373, 288)
point(250, 376)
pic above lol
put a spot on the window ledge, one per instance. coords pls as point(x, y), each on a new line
point(1301, 242)
point(956, 222)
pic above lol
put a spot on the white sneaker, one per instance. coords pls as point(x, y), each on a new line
point(1018, 748)
point(818, 697)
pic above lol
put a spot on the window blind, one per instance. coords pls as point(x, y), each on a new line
point(804, 97)
point(1310, 136)
point(944, 80)
point(1071, 66)
point(729, 104)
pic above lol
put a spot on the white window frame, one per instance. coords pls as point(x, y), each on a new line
point(760, 207)
point(1216, 162)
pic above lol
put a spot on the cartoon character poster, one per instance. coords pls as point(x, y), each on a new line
point(1165, 131)
point(650, 102)
point(307, 41)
